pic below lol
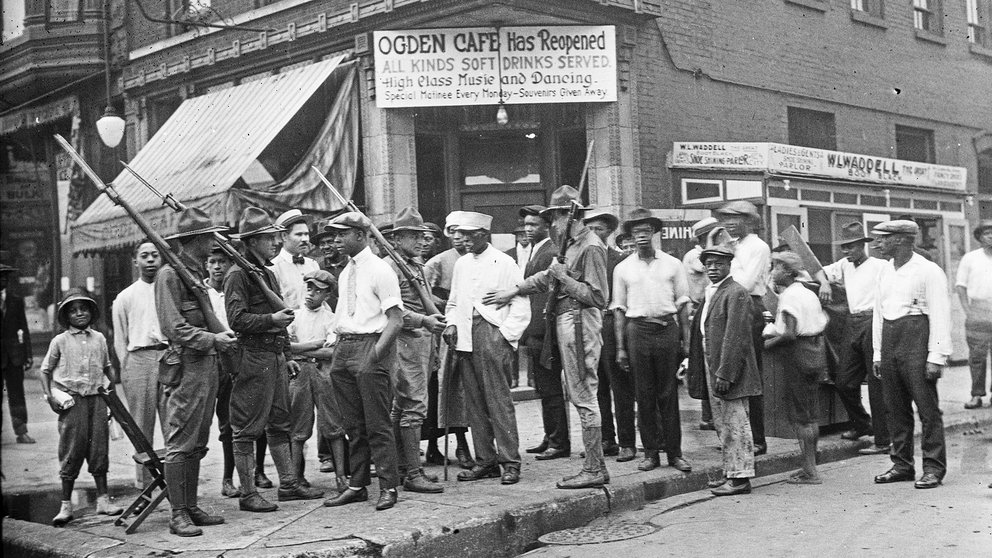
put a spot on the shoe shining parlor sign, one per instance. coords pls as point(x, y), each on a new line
point(487, 65)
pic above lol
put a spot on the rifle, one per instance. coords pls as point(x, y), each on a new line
point(192, 283)
point(414, 279)
point(253, 270)
point(550, 317)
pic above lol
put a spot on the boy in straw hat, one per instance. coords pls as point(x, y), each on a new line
point(974, 288)
point(191, 395)
point(76, 367)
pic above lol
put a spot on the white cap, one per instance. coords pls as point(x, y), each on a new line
point(452, 221)
point(472, 221)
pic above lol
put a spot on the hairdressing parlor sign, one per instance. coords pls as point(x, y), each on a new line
point(486, 65)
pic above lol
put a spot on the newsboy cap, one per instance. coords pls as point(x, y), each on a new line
point(898, 226)
point(349, 220)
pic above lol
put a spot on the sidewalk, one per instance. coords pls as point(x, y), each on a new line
point(469, 519)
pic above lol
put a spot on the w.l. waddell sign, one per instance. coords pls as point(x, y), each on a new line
point(484, 65)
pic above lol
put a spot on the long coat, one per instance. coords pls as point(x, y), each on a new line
point(13, 351)
point(730, 350)
point(539, 261)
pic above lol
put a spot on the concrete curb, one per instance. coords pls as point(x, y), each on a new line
point(506, 534)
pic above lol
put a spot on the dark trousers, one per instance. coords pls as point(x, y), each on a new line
point(654, 359)
point(856, 366)
point(84, 435)
point(978, 335)
point(618, 383)
point(904, 360)
point(13, 381)
point(224, 405)
point(756, 403)
point(554, 415)
point(189, 409)
point(364, 396)
point(260, 398)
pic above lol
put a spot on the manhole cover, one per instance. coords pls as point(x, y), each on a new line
point(601, 534)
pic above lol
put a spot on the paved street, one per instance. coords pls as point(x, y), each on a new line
point(848, 515)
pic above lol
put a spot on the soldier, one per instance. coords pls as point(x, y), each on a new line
point(190, 398)
point(369, 315)
point(650, 297)
point(579, 320)
point(486, 336)
point(414, 349)
point(911, 339)
point(260, 391)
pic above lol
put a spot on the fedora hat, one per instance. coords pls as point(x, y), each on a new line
point(984, 224)
point(194, 221)
point(563, 198)
point(71, 296)
point(255, 221)
point(409, 219)
point(639, 216)
point(718, 243)
point(611, 220)
point(851, 233)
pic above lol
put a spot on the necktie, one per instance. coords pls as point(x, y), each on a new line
point(298, 260)
point(352, 287)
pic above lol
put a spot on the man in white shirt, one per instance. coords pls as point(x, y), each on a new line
point(974, 288)
point(486, 337)
point(138, 342)
point(291, 264)
point(911, 339)
point(649, 303)
point(857, 273)
point(217, 265)
point(370, 315)
point(750, 269)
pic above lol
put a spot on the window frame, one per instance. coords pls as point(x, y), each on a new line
point(873, 8)
point(928, 136)
point(977, 19)
point(830, 134)
point(928, 16)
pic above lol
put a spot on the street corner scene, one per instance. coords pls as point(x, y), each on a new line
point(464, 278)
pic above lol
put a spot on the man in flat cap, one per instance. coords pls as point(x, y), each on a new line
point(857, 273)
point(369, 316)
point(190, 397)
point(974, 288)
point(260, 389)
point(750, 269)
point(579, 319)
point(291, 263)
point(486, 337)
point(911, 340)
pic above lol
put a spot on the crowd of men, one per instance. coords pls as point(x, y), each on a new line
point(377, 348)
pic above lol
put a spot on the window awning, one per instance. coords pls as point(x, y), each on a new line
point(214, 140)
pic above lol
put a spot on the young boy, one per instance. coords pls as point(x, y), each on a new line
point(312, 340)
point(798, 330)
point(76, 367)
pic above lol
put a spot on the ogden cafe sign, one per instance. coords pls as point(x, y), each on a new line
point(806, 161)
point(483, 65)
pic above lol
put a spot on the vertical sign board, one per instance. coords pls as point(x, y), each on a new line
point(486, 65)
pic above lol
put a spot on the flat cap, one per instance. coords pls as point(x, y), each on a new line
point(349, 220)
point(899, 226)
point(530, 210)
point(321, 278)
point(739, 207)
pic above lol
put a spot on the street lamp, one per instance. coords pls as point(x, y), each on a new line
point(110, 126)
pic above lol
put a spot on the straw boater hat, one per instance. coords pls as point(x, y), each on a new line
point(640, 216)
point(899, 226)
point(70, 297)
point(255, 221)
point(194, 221)
point(740, 207)
point(473, 221)
point(985, 224)
point(718, 243)
point(562, 199)
point(611, 220)
point(290, 218)
point(408, 219)
point(704, 226)
point(851, 233)
point(349, 220)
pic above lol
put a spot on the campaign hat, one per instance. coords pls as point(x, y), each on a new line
point(255, 221)
point(851, 233)
point(563, 198)
point(194, 221)
point(409, 219)
point(641, 216)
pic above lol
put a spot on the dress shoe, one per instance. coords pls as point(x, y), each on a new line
point(201, 518)
point(27, 439)
point(464, 458)
point(679, 463)
point(552, 453)
point(626, 454)
point(717, 482)
point(479, 472)
point(327, 466)
point(928, 480)
point(510, 476)
point(611, 449)
point(262, 481)
point(387, 499)
point(650, 462)
point(181, 525)
point(584, 479)
point(973, 403)
point(299, 492)
point(874, 450)
point(706, 425)
point(342, 484)
point(894, 476)
point(760, 449)
point(255, 503)
point(228, 489)
point(539, 448)
point(349, 496)
point(731, 489)
point(420, 483)
point(854, 434)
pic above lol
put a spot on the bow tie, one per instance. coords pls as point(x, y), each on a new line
point(298, 260)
